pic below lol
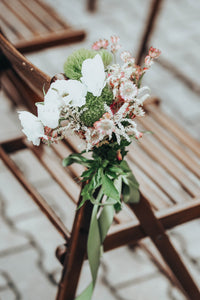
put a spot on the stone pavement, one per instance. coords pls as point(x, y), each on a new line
point(28, 267)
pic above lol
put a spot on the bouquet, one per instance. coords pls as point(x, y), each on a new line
point(99, 100)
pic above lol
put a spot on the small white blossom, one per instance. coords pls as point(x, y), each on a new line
point(93, 75)
point(32, 127)
point(105, 125)
point(128, 90)
point(125, 56)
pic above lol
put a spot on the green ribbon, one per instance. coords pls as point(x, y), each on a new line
point(113, 180)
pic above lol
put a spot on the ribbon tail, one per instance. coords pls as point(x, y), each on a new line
point(87, 293)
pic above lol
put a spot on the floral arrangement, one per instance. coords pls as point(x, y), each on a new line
point(98, 100)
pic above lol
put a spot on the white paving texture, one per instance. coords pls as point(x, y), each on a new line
point(28, 267)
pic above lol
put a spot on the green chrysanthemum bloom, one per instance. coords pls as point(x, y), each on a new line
point(106, 56)
point(73, 64)
point(95, 106)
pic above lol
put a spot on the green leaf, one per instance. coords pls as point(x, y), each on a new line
point(115, 169)
point(108, 188)
point(111, 174)
point(76, 158)
point(88, 173)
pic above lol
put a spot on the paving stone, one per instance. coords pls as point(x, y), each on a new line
point(45, 239)
point(3, 281)
point(10, 238)
point(7, 295)
point(154, 287)
point(189, 233)
point(124, 264)
point(102, 289)
point(16, 200)
point(25, 273)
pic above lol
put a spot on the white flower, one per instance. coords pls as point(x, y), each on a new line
point(128, 90)
point(53, 97)
point(68, 92)
point(93, 75)
point(75, 93)
point(49, 114)
point(32, 127)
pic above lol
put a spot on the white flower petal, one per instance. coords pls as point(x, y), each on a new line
point(53, 97)
point(93, 75)
point(32, 127)
point(76, 93)
point(48, 114)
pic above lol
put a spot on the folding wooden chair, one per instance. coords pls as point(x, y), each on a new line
point(165, 164)
point(34, 25)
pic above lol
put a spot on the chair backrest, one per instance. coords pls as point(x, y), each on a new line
point(34, 25)
point(35, 79)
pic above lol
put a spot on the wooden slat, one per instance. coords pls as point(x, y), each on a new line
point(174, 128)
point(25, 17)
point(26, 69)
point(156, 197)
point(51, 39)
point(158, 154)
point(9, 31)
point(12, 145)
point(171, 144)
point(54, 167)
point(156, 174)
point(53, 218)
point(121, 235)
point(13, 22)
point(18, 91)
point(43, 16)
point(52, 12)
point(62, 150)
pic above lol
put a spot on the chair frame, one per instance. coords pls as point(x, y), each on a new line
point(150, 224)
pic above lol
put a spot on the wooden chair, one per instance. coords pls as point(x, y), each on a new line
point(165, 164)
point(34, 25)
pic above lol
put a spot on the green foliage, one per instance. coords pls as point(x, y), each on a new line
point(95, 106)
point(73, 64)
point(102, 172)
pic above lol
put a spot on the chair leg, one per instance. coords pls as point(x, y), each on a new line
point(155, 6)
point(75, 254)
point(154, 229)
